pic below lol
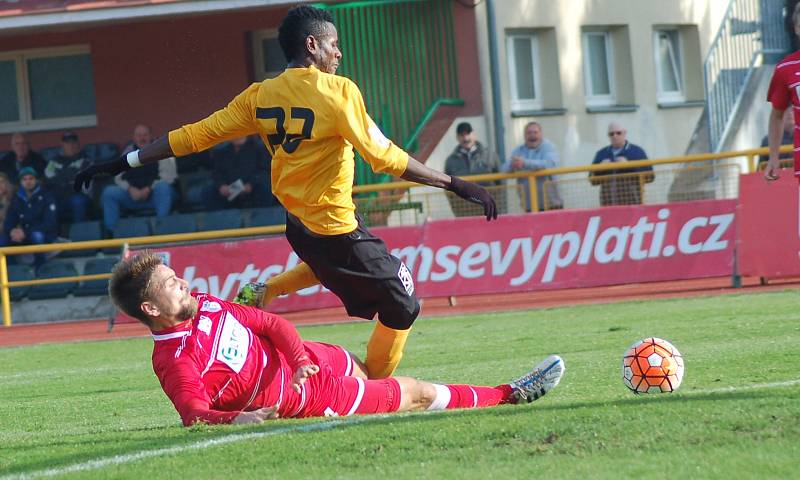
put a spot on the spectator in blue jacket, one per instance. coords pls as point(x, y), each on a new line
point(620, 186)
point(144, 188)
point(31, 218)
point(537, 153)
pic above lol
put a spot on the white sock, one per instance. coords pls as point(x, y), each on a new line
point(442, 398)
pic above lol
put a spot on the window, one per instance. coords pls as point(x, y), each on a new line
point(46, 89)
point(523, 66)
point(669, 67)
point(598, 68)
point(269, 60)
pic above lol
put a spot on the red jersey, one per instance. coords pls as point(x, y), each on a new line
point(784, 90)
point(228, 359)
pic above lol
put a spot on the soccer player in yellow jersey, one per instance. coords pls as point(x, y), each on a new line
point(311, 120)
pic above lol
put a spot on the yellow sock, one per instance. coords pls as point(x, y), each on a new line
point(384, 350)
point(290, 281)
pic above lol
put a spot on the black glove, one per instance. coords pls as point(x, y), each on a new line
point(84, 177)
point(472, 192)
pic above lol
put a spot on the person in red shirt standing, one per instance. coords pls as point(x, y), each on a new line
point(220, 362)
point(784, 92)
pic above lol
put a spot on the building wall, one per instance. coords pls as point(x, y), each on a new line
point(161, 73)
point(577, 133)
point(168, 72)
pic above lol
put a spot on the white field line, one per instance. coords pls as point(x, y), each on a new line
point(41, 374)
point(757, 386)
point(201, 445)
point(239, 437)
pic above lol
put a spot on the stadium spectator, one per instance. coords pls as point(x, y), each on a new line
point(536, 153)
point(786, 139)
point(621, 186)
point(146, 188)
point(19, 157)
point(240, 177)
point(274, 373)
point(313, 172)
point(72, 206)
point(471, 157)
point(6, 196)
point(31, 217)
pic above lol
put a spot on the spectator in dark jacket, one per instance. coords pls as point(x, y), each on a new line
point(471, 157)
point(143, 188)
point(60, 172)
point(31, 218)
point(620, 186)
point(19, 157)
point(241, 177)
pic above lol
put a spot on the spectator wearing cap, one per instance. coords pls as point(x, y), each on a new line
point(31, 217)
point(19, 157)
point(147, 187)
point(471, 157)
point(60, 172)
point(623, 185)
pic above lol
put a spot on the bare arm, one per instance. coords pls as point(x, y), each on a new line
point(158, 150)
point(419, 173)
point(775, 134)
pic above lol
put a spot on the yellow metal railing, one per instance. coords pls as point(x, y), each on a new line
point(117, 242)
point(397, 189)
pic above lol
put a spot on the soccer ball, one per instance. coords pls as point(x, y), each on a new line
point(652, 365)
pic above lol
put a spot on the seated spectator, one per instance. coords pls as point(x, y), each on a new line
point(240, 176)
point(471, 157)
point(537, 153)
point(787, 139)
point(60, 173)
point(31, 218)
point(19, 157)
point(144, 188)
point(6, 195)
point(616, 186)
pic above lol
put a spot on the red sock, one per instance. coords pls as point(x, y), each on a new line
point(471, 396)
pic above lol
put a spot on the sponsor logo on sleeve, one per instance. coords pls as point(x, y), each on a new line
point(204, 325)
point(378, 136)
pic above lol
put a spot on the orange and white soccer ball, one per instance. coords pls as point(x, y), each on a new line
point(652, 365)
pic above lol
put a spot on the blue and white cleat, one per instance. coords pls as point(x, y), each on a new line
point(536, 383)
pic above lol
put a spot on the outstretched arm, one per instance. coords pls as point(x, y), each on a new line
point(235, 120)
point(472, 192)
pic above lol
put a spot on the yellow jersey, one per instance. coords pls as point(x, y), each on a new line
point(310, 121)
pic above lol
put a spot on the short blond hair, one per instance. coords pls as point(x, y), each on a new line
point(130, 284)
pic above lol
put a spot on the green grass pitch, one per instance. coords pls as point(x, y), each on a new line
point(95, 409)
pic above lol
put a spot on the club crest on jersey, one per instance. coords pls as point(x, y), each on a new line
point(211, 307)
point(204, 325)
point(234, 343)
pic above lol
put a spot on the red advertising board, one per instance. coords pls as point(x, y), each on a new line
point(564, 249)
point(769, 231)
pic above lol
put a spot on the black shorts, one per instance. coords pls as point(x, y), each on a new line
point(359, 269)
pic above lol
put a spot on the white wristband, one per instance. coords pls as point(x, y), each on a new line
point(133, 159)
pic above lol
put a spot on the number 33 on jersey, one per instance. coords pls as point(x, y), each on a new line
point(310, 122)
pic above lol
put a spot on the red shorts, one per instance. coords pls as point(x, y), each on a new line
point(339, 359)
point(332, 393)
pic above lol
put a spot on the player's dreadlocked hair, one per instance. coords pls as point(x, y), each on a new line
point(130, 284)
point(300, 22)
